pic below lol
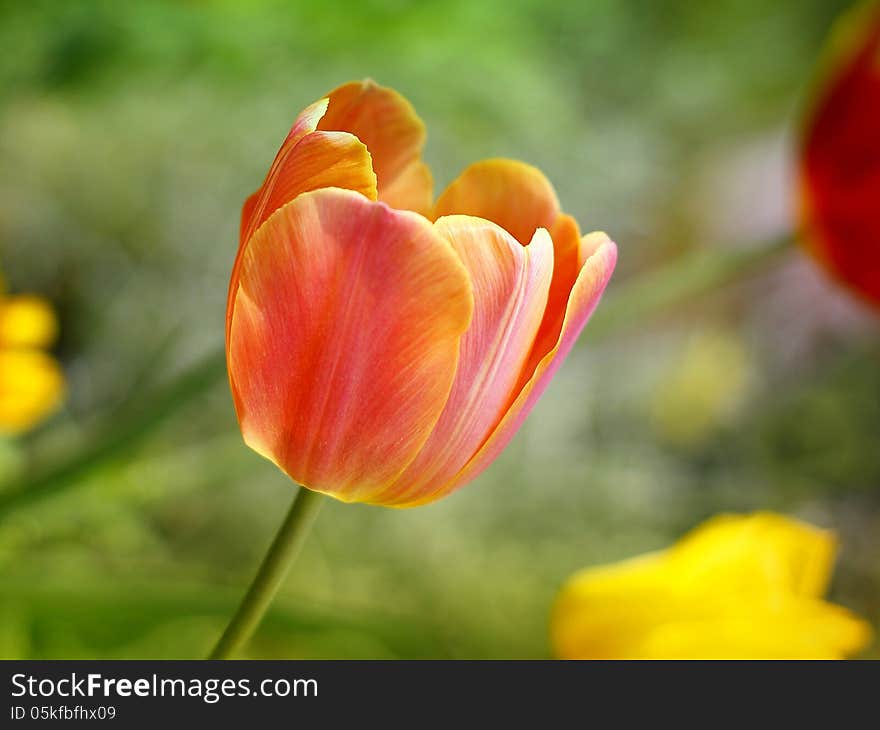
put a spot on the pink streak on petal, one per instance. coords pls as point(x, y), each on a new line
point(510, 284)
point(585, 295)
point(344, 340)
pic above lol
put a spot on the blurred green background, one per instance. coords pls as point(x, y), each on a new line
point(130, 134)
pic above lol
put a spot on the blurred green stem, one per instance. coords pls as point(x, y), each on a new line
point(119, 431)
point(641, 297)
point(283, 551)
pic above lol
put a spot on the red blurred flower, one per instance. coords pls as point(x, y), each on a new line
point(841, 157)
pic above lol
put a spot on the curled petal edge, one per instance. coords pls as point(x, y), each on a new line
point(600, 256)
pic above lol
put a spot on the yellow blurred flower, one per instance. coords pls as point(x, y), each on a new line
point(737, 587)
point(703, 388)
point(31, 382)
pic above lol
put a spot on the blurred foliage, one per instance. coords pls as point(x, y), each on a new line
point(130, 133)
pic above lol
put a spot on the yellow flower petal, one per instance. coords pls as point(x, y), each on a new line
point(27, 321)
point(757, 553)
point(792, 629)
point(736, 587)
point(31, 387)
point(607, 612)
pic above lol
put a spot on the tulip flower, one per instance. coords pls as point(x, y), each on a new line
point(384, 347)
point(737, 587)
point(840, 158)
point(31, 383)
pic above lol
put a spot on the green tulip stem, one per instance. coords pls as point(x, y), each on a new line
point(642, 297)
point(283, 551)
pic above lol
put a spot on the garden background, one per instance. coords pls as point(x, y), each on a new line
point(130, 134)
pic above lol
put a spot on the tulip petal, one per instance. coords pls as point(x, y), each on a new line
point(520, 199)
point(516, 196)
point(304, 124)
point(309, 160)
point(412, 189)
point(31, 387)
point(569, 254)
point(27, 321)
point(510, 285)
point(585, 295)
point(393, 133)
point(344, 339)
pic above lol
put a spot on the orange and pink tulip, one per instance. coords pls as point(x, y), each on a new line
point(840, 157)
point(384, 347)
